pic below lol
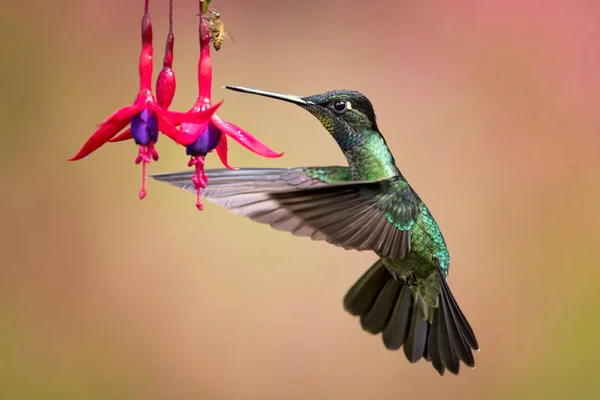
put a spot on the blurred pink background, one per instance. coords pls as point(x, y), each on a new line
point(491, 110)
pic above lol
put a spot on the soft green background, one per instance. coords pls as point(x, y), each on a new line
point(491, 109)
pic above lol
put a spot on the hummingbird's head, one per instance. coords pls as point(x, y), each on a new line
point(348, 115)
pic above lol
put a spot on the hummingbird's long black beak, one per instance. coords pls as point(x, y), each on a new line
point(290, 98)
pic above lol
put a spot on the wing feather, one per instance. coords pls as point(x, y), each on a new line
point(320, 202)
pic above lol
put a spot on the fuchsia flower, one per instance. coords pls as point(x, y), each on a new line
point(147, 116)
point(201, 130)
point(210, 136)
point(165, 83)
point(214, 135)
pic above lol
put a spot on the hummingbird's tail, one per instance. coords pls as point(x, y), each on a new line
point(391, 307)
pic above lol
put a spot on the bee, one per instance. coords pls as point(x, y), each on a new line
point(218, 33)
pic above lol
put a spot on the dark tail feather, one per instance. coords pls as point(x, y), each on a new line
point(390, 307)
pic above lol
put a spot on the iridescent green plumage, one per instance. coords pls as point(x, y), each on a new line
point(368, 205)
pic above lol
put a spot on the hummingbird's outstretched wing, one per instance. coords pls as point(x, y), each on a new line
point(320, 202)
point(225, 185)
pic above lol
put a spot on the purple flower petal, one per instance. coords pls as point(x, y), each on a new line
point(206, 142)
point(144, 127)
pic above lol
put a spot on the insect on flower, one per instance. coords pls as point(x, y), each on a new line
point(217, 30)
point(146, 116)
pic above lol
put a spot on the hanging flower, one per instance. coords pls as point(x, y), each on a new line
point(214, 135)
point(146, 116)
point(201, 130)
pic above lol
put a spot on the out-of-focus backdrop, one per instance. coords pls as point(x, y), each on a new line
point(492, 112)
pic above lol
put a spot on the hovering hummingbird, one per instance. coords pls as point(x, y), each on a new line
point(368, 205)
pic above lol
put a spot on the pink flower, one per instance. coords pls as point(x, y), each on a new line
point(214, 135)
point(201, 130)
point(146, 116)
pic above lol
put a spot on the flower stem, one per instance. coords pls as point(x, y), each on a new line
point(168, 60)
point(145, 67)
point(204, 64)
point(170, 16)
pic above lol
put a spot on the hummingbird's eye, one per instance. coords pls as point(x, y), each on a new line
point(340, 106)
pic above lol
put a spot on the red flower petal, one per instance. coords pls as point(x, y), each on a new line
point(126, 135)
point(168, 128)
point(222, 152)
point(190, 132)
point(165, 83)
point(165, 87)
point(244, 138)
point(184, 138)
point(193, 116)
point(107, 130)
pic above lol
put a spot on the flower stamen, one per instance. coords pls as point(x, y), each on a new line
point(199, 179)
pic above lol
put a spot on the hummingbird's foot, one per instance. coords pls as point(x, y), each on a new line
point(199, 179)
point(146, 154)
point(396, 276)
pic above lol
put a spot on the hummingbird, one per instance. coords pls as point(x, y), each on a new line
point(367, 205)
